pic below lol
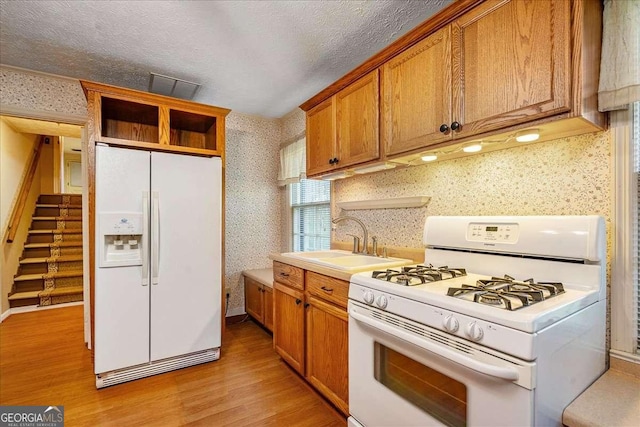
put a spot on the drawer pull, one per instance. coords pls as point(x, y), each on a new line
point(327, 290)
point(283, 274)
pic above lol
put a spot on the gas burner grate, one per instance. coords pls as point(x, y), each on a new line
point(418, 275)
point(506, 292)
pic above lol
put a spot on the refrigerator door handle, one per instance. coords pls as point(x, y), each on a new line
point(145, 237)
point(155, 237)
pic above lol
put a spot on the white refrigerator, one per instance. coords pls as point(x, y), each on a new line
point(158, 271)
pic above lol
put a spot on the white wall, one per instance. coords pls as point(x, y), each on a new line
point(15, 153)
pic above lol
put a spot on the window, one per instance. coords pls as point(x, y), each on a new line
point(311, 215)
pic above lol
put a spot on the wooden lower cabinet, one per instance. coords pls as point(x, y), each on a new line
point(268, 308)
point(311, 333)
point(288, 325)
point(253, 300)
point(258, 302)
point(327, 328)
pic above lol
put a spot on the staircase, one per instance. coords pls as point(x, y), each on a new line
point(50, 270)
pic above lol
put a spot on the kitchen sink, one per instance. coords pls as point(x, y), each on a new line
point(347, 261)
point(319, 254)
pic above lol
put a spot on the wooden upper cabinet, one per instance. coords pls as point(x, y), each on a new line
point(511, 64)
point(416, 92)
point(357, 110)
point(343, 130)
point(321, 138)
point(126, 117)
point(475, 70)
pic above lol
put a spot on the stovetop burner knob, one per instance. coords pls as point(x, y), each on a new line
point(450, 324)
point(474, 331)
point(381, 301)
point(368, 297)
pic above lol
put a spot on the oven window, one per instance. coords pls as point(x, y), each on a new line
point(438, 395)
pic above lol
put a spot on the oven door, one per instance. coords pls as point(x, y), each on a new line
point(402, 373)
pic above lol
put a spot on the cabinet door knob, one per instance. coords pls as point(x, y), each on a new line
point(455, 126)
point(335, 160)
point(330, 161)
point(444, 128)
point(298, 301)
point(306, 304)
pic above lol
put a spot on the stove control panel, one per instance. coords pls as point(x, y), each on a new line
point(474, 331)
point(511, 341)
point(368, 297)
point(382, 301)
point(450, 324)
point(493, 232)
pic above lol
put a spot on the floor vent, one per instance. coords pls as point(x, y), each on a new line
point(154, 368)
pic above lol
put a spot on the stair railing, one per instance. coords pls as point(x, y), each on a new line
point(25, 188)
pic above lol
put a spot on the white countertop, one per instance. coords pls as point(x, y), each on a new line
point(613, 400)
point(262, 275)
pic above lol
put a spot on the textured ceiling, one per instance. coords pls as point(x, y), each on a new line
point(255, 57)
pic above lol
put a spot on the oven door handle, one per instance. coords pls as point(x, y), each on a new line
point(484, 368)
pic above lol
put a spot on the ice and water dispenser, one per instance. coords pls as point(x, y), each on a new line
point(121, 239)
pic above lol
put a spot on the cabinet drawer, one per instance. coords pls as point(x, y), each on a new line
point(288, 275)
point(328, 288)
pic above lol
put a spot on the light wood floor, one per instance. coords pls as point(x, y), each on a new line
point(43, 361)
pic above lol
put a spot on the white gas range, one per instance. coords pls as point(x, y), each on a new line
point(503, 324)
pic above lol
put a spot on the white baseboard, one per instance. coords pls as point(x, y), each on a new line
point(627, 357)
point(29, 308)
point(237, 311)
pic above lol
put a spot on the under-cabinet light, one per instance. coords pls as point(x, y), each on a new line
point(472, 148)
point(336, 175)
point(429, 158)
point(374, 168)
point(528, 135)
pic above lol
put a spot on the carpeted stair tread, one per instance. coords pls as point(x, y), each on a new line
point(57, 218)
point(51, 269)
point(63, 258)
point(72, 243)
point(24, 295)
point(57, 231)
point(57, 205)
point(58, 275)
point(68, 290)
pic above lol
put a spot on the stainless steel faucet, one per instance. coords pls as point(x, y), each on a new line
point(365, 238)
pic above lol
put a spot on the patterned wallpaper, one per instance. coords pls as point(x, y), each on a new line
point(253, 200)
point(29, 90)
point(570, 176)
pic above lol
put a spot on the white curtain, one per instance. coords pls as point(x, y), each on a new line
point(293, 163)
point(619, 67)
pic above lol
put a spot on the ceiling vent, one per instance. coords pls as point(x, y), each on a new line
point(170, 86)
